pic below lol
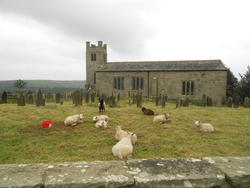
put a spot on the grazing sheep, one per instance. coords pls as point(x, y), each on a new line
point(163, 118)
point(101, 117)
point(73, 120)
point(124, 148)
point(147, 111)
point(121, 134)
point(101, 124)
point(204, 127)
point(101, 105)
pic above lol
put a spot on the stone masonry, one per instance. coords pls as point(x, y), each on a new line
point(211, 83)
point(210, 172)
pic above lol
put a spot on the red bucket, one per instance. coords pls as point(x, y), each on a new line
point(47, 124)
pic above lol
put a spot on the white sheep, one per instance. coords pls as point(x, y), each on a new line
point(121, 134)
point(124, 148)
point(163, 118)
point(204, 127)
point(101, 124)
point(73, 120)
point(101, 117)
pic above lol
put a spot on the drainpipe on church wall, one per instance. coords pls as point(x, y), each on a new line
point(148, 84)
point(157, 87)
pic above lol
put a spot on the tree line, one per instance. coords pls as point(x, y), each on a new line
point(238, 88)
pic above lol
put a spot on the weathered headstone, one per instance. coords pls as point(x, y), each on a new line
point(209, 101)
point(134, 99)
point(87, 97)
point(111, 101)
point(92, 97)
point(247, 102)
point(39, 101)
point(58, 98)
point(229, 102)
point(118, 97)
point(139, 100)
point(163, 101)
point(204, 100)
point(98, 93)
point(21, 100)
point(236, 101)
point(4, 97)
point(43, 102)
point(157, 100)
point(77, 98)
point(178, 102)
point(223, 101)
point(185, 102)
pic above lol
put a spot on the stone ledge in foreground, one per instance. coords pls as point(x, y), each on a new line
point(236, 169)
point(157, 173)
point(176, 173)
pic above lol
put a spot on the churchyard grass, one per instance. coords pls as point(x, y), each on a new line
point(22, 140)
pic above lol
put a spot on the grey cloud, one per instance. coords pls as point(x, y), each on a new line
point(51, 34)
point(113, 22)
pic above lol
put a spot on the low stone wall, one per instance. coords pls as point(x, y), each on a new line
point(213, 172)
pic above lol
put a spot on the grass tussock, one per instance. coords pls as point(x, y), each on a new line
point(22, 140)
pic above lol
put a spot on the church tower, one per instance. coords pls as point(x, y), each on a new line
point(96, 58)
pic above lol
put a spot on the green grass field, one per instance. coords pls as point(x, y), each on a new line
point(22, 140)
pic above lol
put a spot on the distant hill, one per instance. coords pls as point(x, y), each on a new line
point(45, 85)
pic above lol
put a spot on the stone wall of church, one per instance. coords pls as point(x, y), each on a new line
point(105, 82)
point(210, 83)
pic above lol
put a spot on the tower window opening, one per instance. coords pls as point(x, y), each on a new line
point(93, 56)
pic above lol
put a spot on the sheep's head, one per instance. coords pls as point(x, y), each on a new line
point(81, 116)
point(130, 133)
point(102, 122)
point(143, 108)
point(95, 118)
point(197, 123)
point(167, 116)
point(118, 128)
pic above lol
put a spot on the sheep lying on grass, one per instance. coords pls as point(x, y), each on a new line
point(73, 120)
point(147, 111)
point(204, 127)
point(101, 117)
point(101, 124)
point(121, 134)
point(163, 118)
point(124, 148)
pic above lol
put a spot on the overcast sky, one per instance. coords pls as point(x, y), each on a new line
point(45, 39)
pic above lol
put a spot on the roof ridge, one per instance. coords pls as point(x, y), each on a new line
point(197, 65)
point(169, 61)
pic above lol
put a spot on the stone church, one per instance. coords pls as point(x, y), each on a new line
point(175, 78)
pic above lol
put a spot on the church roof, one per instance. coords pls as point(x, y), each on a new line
point(193, 65)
